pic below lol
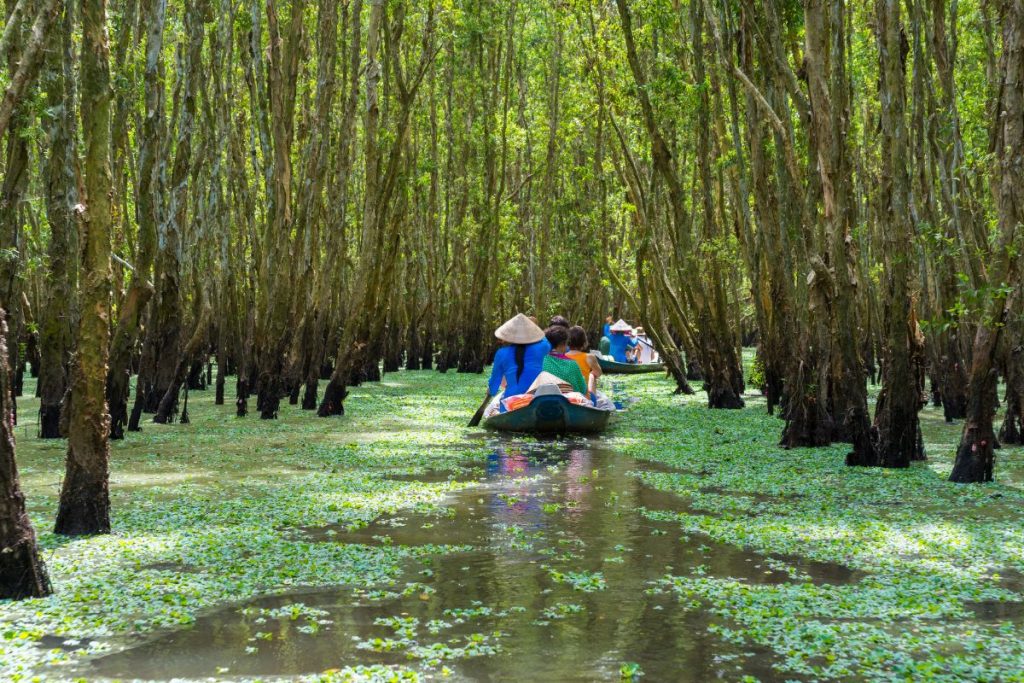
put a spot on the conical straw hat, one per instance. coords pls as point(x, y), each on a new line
point(547, 379)
point(519, 330)
point(621, 326)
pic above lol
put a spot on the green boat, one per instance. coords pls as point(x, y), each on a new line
point(551, 414)
point(615, 368)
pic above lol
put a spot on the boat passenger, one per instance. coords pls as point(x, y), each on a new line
point(559, 320)
point(520, 360)
point(590, 366)
point(604, 345)
point(633, 355)
point(622, 345)
point(560, 365)
point(647, 352)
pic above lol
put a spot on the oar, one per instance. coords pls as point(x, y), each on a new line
point(480, 411)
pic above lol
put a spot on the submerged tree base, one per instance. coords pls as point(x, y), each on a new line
point(84, 508)
point(725, 399)
point(334, 400)
point(49, 421)
point(22, 572)
point(975, 460)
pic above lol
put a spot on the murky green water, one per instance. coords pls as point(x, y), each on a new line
point(557, 578)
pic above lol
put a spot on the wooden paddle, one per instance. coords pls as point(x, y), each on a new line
point(480, 411)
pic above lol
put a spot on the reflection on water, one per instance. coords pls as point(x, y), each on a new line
point(542, 513)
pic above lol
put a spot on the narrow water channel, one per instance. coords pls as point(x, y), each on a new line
point(555, 585)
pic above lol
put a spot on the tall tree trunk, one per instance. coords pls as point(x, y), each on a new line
point(896, 422)
point(164, 332)
point(58, 316)
point(943, 149)
point(825, 57)
point(1012, 430)
point(16, 118)
point(148, 216)
point(722, 373)
point(975, 456)
point(85, 496)
point(274, 328)
point(30, 58)
point(769, 260)
point(365, 315)
point(22, 572)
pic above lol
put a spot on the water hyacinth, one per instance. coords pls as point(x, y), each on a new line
point(846, 573)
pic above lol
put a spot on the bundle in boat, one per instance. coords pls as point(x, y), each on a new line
point(550, 412)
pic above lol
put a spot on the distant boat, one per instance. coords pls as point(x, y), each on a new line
point(615, 368)
point(551, 414)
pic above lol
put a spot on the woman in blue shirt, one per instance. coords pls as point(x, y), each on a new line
point(517, 364)
point(621, 342)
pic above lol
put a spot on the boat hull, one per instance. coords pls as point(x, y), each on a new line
point(550, 415)
point(612, 367)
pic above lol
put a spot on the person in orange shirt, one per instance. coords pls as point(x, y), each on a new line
point(589, 366)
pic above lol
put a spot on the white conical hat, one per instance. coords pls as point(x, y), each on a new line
point(621, 326)
point(519, 330)
point(547, 379)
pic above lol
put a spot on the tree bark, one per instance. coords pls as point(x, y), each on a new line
point(1011, 433)
point(169, 401)
point(149, 210)
point(164, 333)
point(85, 498)
point(825, 62)
point(897, 428)
point(362, 331)
point(58, 317)
point(274, 329)
point(975, 456)
point(30, 59)
point(22, 572)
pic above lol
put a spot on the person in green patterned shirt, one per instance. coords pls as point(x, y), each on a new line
point(560, 365)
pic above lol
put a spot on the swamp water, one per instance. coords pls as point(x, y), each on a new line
point(554, 580)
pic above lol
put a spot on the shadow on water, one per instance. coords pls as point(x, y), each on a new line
point(548, 524)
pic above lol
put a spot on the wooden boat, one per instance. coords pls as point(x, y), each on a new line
point(615, 368)
point(551, 414)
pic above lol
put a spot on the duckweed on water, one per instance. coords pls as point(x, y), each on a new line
point(926, 549)
point(207, 513)
point(873, 574)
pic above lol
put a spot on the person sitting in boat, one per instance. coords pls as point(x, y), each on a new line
point(604, 345)
point(646, 351)
point(590, 366)
point(622, 344)
point(633, 354)
point(560, 365)
point(518, 362)
point(559, 321)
